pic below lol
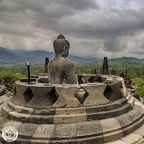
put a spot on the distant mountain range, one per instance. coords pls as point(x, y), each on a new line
point(38, 57)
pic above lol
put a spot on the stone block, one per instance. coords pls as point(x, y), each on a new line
point(138, 106)
point(22, 109)
point(41, 96)
point(64, 131)
point(3, 98)
point(90, 140)
point(5, 109)
point(92, 128)
point(41, 119)
point(67, 141)
point(2, 121)
point(130, 99)
point(40, 142)
point(66, 96)
point(89, 132)
point(124, 120)
point(44, 112)
point(70, 111)
point(10, 104)
point(18, 116)
point(95, 94)
point(20, 89)
point(132, 139)
point(140, 131)
point(111, 129)
point(60, 119)
point(94, 109)
point(43, 132)
point(27, 130)
point(117, 142)
point(12, 123)
point(134, 115)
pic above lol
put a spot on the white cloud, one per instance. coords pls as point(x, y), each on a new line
point(94, 28)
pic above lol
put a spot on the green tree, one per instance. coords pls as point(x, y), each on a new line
point(140, 88)
point(10, 77)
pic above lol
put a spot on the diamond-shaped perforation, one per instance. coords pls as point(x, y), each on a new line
point(52, 96)
point(28, 95)
point(80, 81)
point(108, 92)
point(81, 95)
point(95, 79)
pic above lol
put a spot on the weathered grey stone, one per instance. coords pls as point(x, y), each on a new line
point(111, 129)
point(40, 142)
point(67, 96)
point(41, 97)
point(70, 111)
point(3, 98)
point(44, 111)
point(64, 131)
point(134, 115)
point(117, 142)
point(112, 91)
point(12, 123)
point(94, 109)
point(140, 131)
point(60, 119)
point(40, 119)
point(44, 131)
point(27, 130)
point(132, 139)
point(10, 104)
point(22, 109)
point(61, 70)
point(6, 109)
point(20, 88)
point(138, 106)
point(86, 77)
point(19, 116)
point(95, 94)
point(130, 99)
point(2, 121)
point(116, 104)
point(85, 129)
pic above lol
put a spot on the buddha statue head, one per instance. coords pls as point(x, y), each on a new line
point(61, 46)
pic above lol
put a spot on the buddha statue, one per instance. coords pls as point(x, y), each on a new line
point(60, 70)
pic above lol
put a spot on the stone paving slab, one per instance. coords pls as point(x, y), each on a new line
point(140, 131)
point(132, 139)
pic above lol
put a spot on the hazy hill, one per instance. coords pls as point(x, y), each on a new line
point(38, 57)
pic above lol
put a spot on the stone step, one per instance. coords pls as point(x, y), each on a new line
point(108, 114)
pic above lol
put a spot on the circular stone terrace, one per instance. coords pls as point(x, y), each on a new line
point(97, 110)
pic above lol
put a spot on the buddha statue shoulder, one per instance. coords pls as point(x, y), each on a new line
point(60, 70)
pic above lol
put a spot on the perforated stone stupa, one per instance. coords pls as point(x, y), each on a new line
point(96, 109)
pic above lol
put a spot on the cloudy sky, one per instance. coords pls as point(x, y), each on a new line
point(112, 28)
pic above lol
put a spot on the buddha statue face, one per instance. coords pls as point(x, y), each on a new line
point(61, 46)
